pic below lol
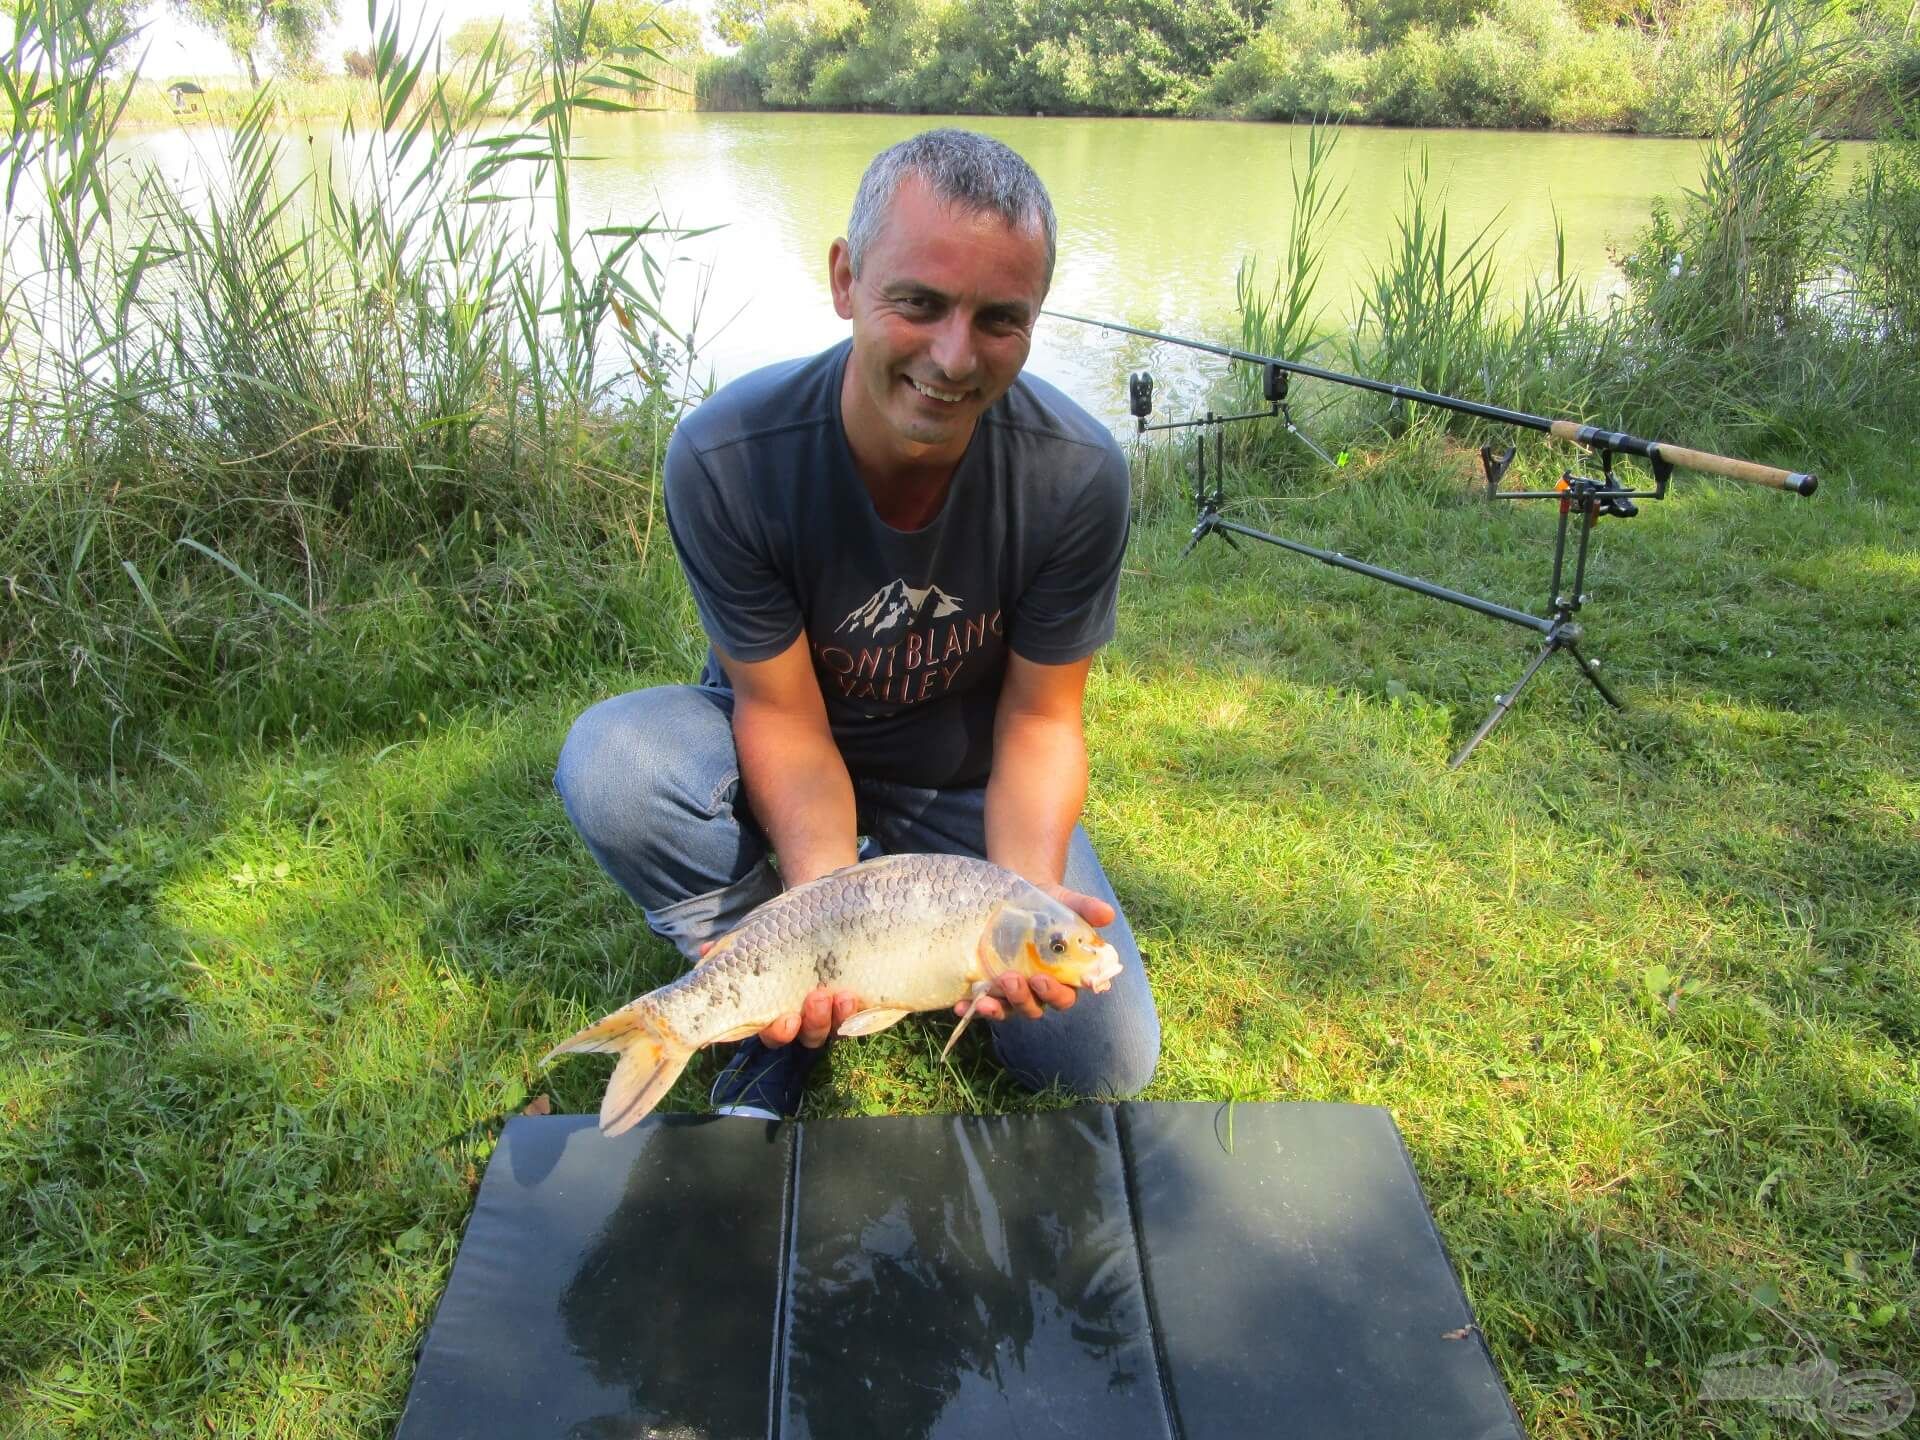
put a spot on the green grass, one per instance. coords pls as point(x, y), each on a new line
point(1641, 990)
point(300, 591)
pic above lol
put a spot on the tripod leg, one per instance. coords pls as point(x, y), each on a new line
point(1504, 703)
point(1591, 669)
point(1203, 528)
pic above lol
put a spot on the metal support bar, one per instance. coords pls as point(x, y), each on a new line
point(1583, 501)
point(1565, 636)
point(1391, 577)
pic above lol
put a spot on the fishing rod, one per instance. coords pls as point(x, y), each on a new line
point(1658, 453)
point(1590, 498)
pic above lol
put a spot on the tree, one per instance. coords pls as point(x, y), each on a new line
point(579, 30)
point(467, 41)
point(292, 28)
point(116, 23)
point(738, 21)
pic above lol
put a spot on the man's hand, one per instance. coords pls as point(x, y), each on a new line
point(820, 1014)
point(1030, 996)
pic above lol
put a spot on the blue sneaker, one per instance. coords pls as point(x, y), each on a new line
point(764, 1081)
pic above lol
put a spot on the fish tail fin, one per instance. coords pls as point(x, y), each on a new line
point(651, 1059)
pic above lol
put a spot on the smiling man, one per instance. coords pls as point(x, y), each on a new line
point(904, 555)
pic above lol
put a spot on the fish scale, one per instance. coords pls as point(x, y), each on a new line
point(901, 933)
point(906, 911)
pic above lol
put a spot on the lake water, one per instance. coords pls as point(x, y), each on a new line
point(1155, 219)
point(1156, 216)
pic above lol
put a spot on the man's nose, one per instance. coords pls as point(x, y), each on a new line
point(952, 349)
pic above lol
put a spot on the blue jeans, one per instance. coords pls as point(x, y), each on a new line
point(651, 781)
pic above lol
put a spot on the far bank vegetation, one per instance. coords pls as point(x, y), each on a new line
point(1627, 65)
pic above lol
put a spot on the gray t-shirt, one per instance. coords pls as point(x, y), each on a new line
point(909, 629)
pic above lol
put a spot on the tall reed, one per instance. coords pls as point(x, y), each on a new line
point(1741, 328)
point(1286, 317)
point(1757, 229)
point(220, 407)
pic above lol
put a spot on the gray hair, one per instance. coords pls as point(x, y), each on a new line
point(961, 167)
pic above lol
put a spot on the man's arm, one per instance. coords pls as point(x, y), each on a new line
point(1039, 779)
point(790, 767)
point(1034, 798)
point(801, 795)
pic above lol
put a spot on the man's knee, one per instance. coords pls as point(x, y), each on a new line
point(627, 757)
point(1114, 1061)
point(1127, 1067)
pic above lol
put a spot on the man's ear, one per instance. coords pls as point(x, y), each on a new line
point(840, 278)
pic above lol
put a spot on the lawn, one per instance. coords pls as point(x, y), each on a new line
point(1642, 990)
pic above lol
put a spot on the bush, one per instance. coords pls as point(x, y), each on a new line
point(1683, 96)
point(1409, 84)
point(1486, 76)
point(1880, 233)
point(1735, 265)
point(1298, 64)
point(1597, 79)
point(723, 83)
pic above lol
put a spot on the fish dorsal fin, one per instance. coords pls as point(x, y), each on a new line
point(878, 862)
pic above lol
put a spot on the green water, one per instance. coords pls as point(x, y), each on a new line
point(1155, 218)
point(1155, 215)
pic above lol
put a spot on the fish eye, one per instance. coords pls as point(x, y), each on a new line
point(1059, 946)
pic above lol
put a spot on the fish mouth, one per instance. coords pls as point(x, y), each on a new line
point(1100, 975)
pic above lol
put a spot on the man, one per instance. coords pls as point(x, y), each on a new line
point(904, 556)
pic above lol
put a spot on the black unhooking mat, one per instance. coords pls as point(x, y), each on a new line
point(1124, 1271)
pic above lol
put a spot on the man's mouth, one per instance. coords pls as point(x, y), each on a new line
point(948, 397)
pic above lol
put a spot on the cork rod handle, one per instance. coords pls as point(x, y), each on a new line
point(1704, 461)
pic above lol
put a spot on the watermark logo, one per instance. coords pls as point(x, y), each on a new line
point(1856, 1402)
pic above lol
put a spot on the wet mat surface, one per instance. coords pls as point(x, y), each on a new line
point(1179, 1272)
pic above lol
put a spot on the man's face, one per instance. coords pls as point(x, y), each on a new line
point(943, 313)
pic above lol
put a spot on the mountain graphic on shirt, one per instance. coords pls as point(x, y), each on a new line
point(898, 603)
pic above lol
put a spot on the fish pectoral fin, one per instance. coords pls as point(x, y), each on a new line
point(1007, 930)
point(872, 1022)
point(979, 994)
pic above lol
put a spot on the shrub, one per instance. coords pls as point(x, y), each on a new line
point(1486, 76)
point(1880, 232)
point(1282, 72)
point(1408, 83)
point(1736, 263)
point(1597, 79)
point(723, 82)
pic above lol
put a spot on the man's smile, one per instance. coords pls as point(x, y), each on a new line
point(950, 397)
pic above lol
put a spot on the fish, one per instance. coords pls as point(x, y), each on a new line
point(904, 933)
